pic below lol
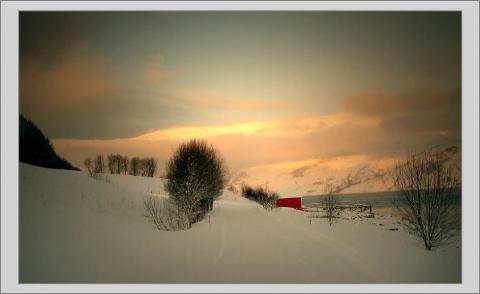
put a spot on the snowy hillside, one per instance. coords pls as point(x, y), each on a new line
point(74, 228)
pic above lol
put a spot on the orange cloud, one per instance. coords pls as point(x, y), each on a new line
point(263, 128)
point(379, 104)
point(79, 77)
point(82, 94)
point(243, 144)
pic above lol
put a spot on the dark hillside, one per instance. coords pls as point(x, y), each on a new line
point(36, 149)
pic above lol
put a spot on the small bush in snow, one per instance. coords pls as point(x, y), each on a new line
point(164, 214)
point(330, 205)
point(195, 177)
point(261, 195)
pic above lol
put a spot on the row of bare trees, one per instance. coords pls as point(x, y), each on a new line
point(117, 164)
point(95, 165)
point(120, 164)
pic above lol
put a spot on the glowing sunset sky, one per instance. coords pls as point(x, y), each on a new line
point(291, 99)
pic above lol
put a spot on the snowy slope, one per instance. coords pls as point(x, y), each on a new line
point(77, 229)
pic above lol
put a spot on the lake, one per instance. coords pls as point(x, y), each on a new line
point(377, 199)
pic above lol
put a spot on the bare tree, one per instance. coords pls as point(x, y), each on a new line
point(117, 164)
point(135, 166)
point(99, 164)
point(112, 164)
point(149, 166)
point(123, 160)
point(118, 161)
point(88, 165)
point(142, 171)
point(330, 204)
point(427, 185)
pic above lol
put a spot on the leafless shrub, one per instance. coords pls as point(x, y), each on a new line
point(330, 204)
point(427, 185)
point(164, 214)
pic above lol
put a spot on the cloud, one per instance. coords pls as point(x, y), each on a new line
point(80, 94)
point(383, 105)
point(268, 129)
point(426, 111)
point(78, 78)
point(94, 99)
point(68, 96)
point(300, 172)
point(355, 176)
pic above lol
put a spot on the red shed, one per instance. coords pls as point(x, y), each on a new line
point(293, 202)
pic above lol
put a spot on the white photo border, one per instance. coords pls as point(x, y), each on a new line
point(470, 142)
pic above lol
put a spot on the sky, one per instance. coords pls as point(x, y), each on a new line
point(292, 100)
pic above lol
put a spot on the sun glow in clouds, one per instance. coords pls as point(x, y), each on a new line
point(268, 128)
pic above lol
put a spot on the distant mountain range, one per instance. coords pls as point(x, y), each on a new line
point(36, 149)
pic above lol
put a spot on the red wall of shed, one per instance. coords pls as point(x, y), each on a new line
point(294, 202)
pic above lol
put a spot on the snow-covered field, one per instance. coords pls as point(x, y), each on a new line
point(74, 228)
